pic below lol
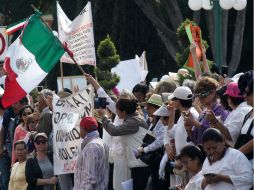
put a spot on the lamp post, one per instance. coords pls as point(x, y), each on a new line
point(216, 5)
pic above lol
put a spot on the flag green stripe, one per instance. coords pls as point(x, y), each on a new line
point(16, 23)
point(41, 42)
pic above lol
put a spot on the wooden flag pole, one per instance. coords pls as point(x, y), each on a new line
point(61, 70)
point(63, 45)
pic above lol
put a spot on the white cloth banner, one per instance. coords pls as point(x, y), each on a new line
point(78, 35)
point(67, 113)
point(143, 66)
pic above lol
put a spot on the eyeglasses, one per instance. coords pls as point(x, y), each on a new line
point(26, 113)
point(40, 142)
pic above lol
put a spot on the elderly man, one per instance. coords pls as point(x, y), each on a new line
point(93, 168)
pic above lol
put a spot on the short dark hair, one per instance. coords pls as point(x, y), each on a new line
point(193, 152)
point(246, 80)
point(212, 134)
point(186, 103)
point(127, 105)
point(19, 142)
point(236, 101)
point(141, 87)
point(23, 109)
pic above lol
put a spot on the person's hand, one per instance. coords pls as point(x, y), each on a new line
point(210, 116)
point(140, 150)
point(53, 180)
point(171, 152)
point(179, 187)
point(214, 179)
point(170, 106)
point(101, 112)
point(189, 120)
point(193, 47)
point(89, 78)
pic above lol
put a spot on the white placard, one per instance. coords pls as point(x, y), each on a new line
point(67, 113)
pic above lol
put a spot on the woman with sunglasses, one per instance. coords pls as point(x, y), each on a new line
point(205, 91)
point(21, 130)
point(39, 169)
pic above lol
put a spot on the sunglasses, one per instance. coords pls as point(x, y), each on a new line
point(40, 142)
point(26, 113)
point(203, 94)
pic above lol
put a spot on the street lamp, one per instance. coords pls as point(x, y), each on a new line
point(216, 5)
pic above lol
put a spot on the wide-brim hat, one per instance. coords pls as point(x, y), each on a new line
point(162, 111)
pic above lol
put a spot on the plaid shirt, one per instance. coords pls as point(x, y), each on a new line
point(92, 165)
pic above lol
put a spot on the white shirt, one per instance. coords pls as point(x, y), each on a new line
point(195, 182)
point(235, 165)
point(181, 133)
point(235, 119)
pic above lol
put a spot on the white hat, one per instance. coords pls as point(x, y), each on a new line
point(181, 92)
point(162, 111)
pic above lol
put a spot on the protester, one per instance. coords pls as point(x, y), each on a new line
point(117, 156)
point(230, 129)
point(92, 171)
point(10, 121)
point(205, 90)
point(39, 169)
point(245, 140)
point(21, 130)
point(157, 130)
point(224, 168)
point(192, 157)
point(132, 132)
point(18, 178)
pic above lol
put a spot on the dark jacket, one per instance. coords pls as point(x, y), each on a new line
point(33, 172)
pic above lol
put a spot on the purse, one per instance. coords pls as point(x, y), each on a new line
point(152, 157)
point(244, 138)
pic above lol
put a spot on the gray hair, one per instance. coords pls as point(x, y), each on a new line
point(126, 94)
point(46, 92)
point(189, 83)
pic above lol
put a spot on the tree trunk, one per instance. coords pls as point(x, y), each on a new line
point(210, 25)
point(237, 42)
point(224, 30)
point(167, 36)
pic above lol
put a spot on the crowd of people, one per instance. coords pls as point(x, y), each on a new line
point(197, 134)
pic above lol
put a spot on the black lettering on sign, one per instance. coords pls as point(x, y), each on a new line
point(65, 136)
point(68, 153)
point(76, 102)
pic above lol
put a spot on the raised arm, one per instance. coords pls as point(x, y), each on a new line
point(195, 60)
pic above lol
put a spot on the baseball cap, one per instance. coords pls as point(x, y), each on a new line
point(162, 111)
point(89, 123)
point(155, 99)
point(41, 135)
point(233, 90)
point(182, 92)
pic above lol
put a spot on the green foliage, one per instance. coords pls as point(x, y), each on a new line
point(108, 58)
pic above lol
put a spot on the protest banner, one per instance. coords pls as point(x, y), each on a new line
point(78, 34)
point(3, 42)
point(67, 113)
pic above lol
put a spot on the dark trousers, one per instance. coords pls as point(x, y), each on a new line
point(140, 177)
point(110, 180)
point(156, 182)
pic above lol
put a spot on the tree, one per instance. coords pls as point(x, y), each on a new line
point(108, 58)
point(158, 10)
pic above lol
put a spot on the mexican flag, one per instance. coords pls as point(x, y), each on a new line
point(16, 26)
point(29, 59)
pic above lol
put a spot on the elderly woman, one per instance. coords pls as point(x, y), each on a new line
point(205, 91)
point(18, 178)
point(39, 169)
point(224, 168)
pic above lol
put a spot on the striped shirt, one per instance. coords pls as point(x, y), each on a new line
point(92, 165)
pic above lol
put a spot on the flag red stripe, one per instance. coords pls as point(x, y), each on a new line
point(13, 91)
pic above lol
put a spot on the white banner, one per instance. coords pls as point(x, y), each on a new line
point(3, 42)
point(78, 35)
point(67, 113)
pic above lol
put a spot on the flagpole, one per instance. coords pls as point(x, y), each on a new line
point(61, 70)
point(65, 47)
